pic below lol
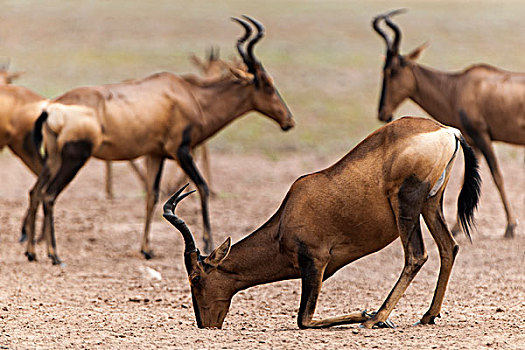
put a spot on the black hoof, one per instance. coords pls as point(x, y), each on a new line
point(23, 236)
point(386, 324)
point(431, 320)
point(147, 255)
point(55, 260)
point(510, 231)
point(380, 324)
point(30, 256)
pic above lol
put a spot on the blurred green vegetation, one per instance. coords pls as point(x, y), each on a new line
point(324, 57)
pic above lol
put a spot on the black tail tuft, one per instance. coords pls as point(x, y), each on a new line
point(469, 196)
point(36, 134)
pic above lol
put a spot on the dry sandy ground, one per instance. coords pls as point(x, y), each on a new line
point(104, 299)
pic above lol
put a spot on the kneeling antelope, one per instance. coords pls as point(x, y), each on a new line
point(330, 218)
point(486, 103)
point(161, 116)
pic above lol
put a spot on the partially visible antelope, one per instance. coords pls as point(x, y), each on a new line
point(19, 108)
point(161, 116)
point(486, 103)
point(212, 67)
point(330, 218)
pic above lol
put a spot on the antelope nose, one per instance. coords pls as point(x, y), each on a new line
point(385, 117)
point(290, 123)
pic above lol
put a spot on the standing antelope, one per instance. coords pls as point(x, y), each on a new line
point(330, 218)
point(486, 103)
point(19, 108)
point(161, 116)
point(212, 67)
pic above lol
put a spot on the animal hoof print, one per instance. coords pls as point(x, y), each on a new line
point(30, 256)
point(147, 255)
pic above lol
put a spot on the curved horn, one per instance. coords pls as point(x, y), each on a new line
point(242, 39)
point(375, 25)
point(260, 34)
point(169, 214)
point(394, 47)
point(395, 28)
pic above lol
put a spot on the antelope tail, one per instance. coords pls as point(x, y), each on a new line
point(469, 196)
point(36, 133)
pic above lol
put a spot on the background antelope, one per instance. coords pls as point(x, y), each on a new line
point(484, 102)
point(161, 116)
point(211, 67)
point(19, 108)
point(330, 218)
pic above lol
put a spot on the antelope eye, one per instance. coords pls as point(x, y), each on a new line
point(195, 280)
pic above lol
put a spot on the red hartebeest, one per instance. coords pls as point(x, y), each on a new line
point(19, 108)
point(161, 116)
point(486, 103)
point(210, 68)
point(330, 218)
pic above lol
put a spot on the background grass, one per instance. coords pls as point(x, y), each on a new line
point(325, 58)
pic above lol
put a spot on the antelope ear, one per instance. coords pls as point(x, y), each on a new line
point(196, 61)
point(219, 254)
point(414, 55)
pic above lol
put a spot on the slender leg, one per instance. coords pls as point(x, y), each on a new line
point(407, 207)
point(154, 166)
point(488, 151)
point(448, 249)
point(109, 180)
point(74, 156)
point(188, 165)
point(481, 139)
point(206, 167)
point(28, 226)
point(311, 282)
point(139, 173)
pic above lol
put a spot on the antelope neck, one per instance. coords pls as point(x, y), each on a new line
point(435, 92)
point(257, 259)
point(220, 104)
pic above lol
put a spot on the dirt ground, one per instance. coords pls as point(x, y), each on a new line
point(106, 298)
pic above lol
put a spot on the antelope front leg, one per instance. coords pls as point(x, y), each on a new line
point(154, 165)
point(311, 282)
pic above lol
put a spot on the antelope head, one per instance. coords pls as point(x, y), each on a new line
point(267, 99)
point(398, 78)
point(7, 77)
point(211, 293)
